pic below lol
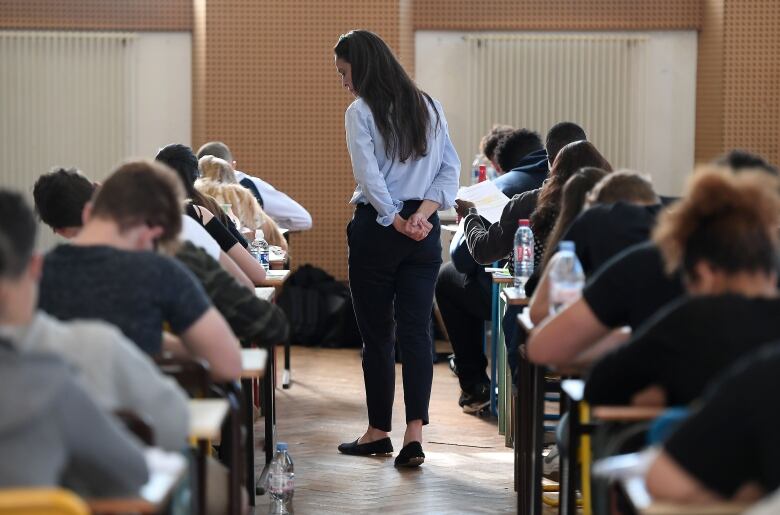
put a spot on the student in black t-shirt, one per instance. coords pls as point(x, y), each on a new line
point(724, 237)
point(109, 272)
point(206, 212)
point(729, 449)
point(620, 212)
point(625, 291)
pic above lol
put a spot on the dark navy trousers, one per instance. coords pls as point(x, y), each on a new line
point(392, 279)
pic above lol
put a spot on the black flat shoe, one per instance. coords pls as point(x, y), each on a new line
point(383, 447)
point(411, 455)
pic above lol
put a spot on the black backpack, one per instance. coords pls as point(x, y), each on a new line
point(319, 309)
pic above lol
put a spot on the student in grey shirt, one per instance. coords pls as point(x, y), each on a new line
point(52, 433)
point(112, 369)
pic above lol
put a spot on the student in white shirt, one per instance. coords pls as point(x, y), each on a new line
point(406, 168)
point(284, 210)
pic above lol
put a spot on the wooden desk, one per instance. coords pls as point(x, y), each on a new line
point(206, 417)
point(265, 293)
point(501, 378)
point(275, 278)
point(626, 413)
point(512, 296)
point(253, 363)
point(253, 368)
point(502, 278)
point(165, 472)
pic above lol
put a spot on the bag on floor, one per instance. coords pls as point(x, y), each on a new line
point(319, 309)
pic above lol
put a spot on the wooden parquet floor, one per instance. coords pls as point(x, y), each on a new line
point(467, 469)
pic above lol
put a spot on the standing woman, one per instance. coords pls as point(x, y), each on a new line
point(406, 169)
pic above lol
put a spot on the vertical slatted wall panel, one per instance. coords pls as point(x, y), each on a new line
point(534, 81)
point(66, 100)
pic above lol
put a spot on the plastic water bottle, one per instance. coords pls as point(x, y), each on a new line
point(261, 249)
point(281, 480)
point(566, 277)
point(475, 168)
point(524, 254)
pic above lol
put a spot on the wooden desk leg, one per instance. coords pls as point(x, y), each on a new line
point(247, 390)
point(287, 374)
point(524, 442)
point(494, 351)
point(568, 486)
point(537, 416)
point(566, 467)
point(203, 451)
point(269, 412)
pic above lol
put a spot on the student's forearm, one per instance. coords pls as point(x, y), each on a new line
point(249, 265)
point(233, 269)
point(605, 345)
point(540, 302)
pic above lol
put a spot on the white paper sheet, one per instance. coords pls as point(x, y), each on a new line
point(490, 201)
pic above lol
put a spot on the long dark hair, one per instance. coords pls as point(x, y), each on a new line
point(727, 220)
point(183, 161)
point(572, 157)
point(573, 198)
point(399, 107)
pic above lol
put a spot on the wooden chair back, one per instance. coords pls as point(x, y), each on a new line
point(41, 501)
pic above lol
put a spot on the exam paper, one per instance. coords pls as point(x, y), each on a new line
point(490, 201)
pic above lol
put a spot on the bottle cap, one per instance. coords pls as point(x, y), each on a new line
point(281, 446)
point(524, 222)
point(566, 245)
point(259, 235)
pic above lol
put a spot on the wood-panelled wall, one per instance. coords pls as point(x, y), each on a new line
point(167, 15)
point(264, 82)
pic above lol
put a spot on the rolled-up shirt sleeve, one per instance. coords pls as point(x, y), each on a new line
point(445, 184)
point(360, 143)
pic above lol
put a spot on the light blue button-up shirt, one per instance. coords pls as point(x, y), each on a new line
point(386, 182)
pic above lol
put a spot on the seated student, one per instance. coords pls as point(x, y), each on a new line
point(723, 235)
point(540, 205)
point(219, 181)
point(489, 142)
point(620, 211)
point(108, 272)
point(52, 433)
point(251, 319)
point(627, 290)
point(115, 372)
point(60, 197)
point(523, 161)
point(284, 210)
point(207, 212)
point(463, 291)
point(728, 449)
